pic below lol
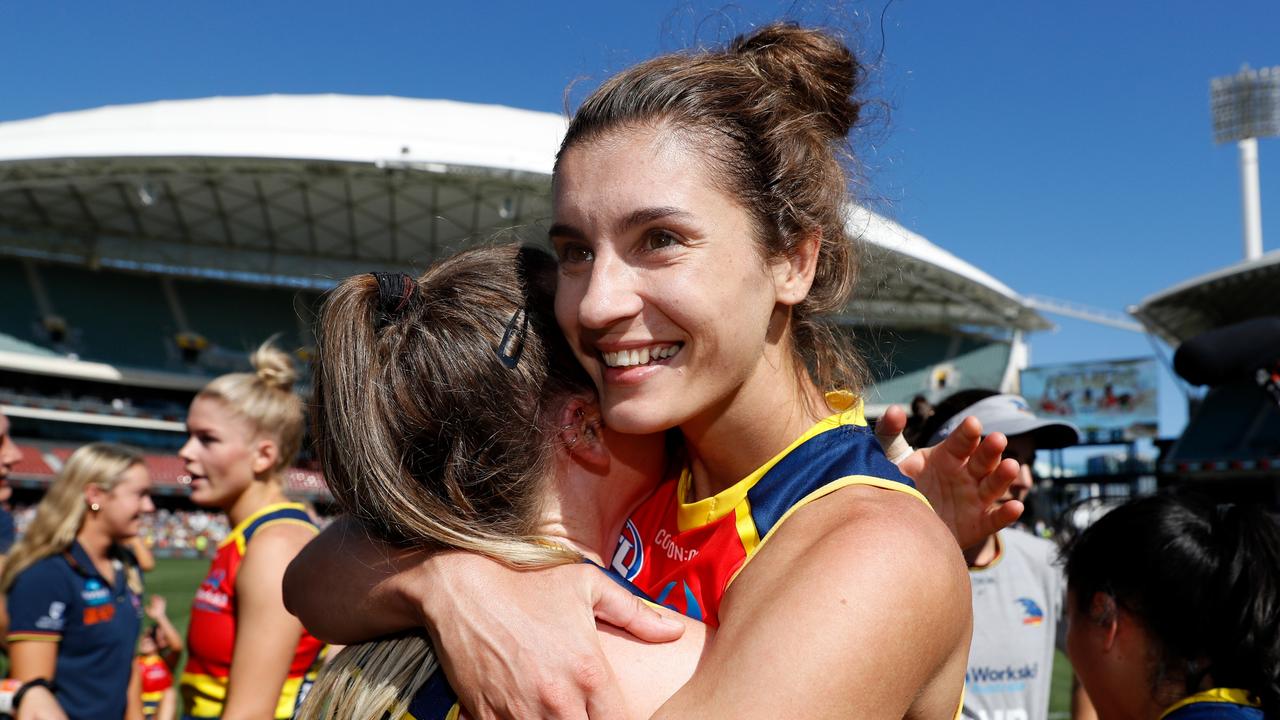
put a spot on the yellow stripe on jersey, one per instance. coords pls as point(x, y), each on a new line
point(1234, 696)
point(709, 510)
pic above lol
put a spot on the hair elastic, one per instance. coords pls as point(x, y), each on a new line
point(395, 292)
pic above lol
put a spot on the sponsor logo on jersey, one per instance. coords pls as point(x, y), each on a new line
point(95, 593)
point(1032, 614)
point(628, 559)
point(674, 551)
point(211, 599)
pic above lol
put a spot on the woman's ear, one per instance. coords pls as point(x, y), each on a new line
point(1106, 615)
point(580, 430)
point(265, 454)
point(94, 495)
point(793, 273)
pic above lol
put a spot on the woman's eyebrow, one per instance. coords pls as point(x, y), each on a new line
point(561, 230)
point(644, 216)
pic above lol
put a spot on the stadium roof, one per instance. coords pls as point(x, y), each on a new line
point(1239, 292)
point(304, 189)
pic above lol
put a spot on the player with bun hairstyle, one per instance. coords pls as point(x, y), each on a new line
point(247, 656)
point(1175, 610)
point(699, 205)
point(74, 591)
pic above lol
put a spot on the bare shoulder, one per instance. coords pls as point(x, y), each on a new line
point(870, 530)
point(272, 548)
point(861, 601)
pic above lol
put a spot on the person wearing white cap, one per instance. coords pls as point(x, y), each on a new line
point(1018, 588)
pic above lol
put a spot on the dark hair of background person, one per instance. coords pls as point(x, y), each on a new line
point(426, 436)
point(953, 405)
point(1202, 579)
point(774, 109)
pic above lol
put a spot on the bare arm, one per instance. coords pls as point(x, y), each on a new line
point(857, 607)
point(29, 660)
point(133, 705)
point(138, 547)
point(171, 644)
point(518, 644)
point(266, 634)
point(378, 594)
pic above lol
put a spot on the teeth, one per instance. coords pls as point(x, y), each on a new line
point(640, 356)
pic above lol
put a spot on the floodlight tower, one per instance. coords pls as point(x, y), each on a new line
point(1246, 106)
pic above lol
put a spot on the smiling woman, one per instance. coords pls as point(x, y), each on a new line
point(73, 591)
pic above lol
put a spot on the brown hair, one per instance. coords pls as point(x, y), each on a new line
point(265, 398)
point(425, 434)
point(776, 106)
point(434, 421)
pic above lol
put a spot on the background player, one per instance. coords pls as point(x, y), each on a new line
point(1174, 610)
point(159, 651)
point(247, 656)
point(1017, 584)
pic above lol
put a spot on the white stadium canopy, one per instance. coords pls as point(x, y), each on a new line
point(300, 190)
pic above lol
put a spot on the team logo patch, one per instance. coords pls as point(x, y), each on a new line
point(691, 607)
point(53, 619)
point(1033, 615)
point(628, 559)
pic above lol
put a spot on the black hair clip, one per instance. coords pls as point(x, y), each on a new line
point(395, 292)
point(511, 347)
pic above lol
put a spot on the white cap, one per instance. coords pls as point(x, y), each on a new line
point(1011, 415)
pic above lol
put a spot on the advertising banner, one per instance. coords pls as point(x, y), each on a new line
point(1109, 400)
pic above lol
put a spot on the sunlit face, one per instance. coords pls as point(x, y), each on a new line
point(220, 453)
point(147, 645)
point(121, 509)
point(1023, 449)
point(10, 455)
point(663, 293)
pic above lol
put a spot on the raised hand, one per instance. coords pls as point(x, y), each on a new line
point(963, 476)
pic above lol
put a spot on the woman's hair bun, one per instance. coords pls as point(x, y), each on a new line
point(815, 70)
point(274, 367)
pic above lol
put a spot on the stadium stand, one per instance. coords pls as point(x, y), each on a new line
point(147, 248)
point(1231, 445)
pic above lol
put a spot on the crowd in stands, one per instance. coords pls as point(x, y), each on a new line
point(171, 533)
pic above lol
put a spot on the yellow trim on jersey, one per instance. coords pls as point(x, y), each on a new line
point(823, 491)
point(1235, 696)
point(708, 510)
point(34, 637)
point(237, 533)
point(994, 561)
point(208, 696)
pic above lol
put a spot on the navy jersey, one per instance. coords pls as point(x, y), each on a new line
point(1215, 704)
point(64, 599)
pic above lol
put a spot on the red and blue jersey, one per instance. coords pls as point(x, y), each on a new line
point(1215, 704)
point(212, 633)
point(156, 679)
point(95, 622)
point(685, 554)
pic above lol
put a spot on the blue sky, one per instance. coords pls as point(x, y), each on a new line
point(1063, 147)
